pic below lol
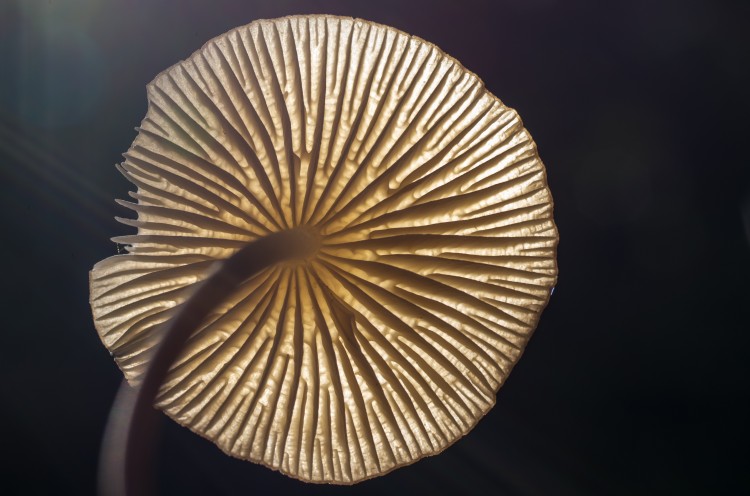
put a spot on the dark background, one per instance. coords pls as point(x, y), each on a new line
point(636, 381)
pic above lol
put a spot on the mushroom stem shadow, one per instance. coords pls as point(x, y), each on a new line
point(128, 447)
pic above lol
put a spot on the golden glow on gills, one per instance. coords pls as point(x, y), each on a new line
point(434, 257)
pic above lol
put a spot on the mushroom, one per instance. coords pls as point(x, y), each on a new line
point(410, 246)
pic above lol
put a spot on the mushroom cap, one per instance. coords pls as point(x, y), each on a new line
point(436, 258)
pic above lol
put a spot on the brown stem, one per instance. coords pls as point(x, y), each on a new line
point(125, 464)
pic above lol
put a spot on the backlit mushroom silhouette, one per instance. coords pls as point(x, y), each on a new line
point(409, 228)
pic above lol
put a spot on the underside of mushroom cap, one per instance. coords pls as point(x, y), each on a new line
point(436, 253)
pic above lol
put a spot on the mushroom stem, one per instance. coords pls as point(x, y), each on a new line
point(128, 448)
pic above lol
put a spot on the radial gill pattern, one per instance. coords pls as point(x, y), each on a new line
point(437, 245)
